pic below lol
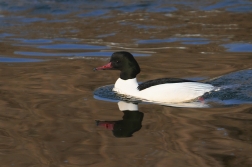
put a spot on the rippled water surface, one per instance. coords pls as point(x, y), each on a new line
point(55, 111)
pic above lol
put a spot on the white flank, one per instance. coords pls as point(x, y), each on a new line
point(163, 93)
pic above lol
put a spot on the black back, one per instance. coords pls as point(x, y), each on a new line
point(150, 83)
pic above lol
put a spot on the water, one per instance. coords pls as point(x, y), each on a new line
point(49, 117)
point(239, 47)
point(17, 60)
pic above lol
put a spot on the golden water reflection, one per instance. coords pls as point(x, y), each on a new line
point(47, 109)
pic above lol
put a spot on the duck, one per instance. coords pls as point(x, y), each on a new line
point(162, 90)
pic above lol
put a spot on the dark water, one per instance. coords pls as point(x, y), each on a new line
point(48, 113)
point(36, 25)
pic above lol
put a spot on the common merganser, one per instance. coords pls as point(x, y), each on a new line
point(164, 90)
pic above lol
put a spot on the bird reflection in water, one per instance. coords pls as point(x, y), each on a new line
point(130, 123)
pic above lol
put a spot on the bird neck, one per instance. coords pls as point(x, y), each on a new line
point(129, 73)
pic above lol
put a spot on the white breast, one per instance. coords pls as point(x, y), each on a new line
point(164, 93)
